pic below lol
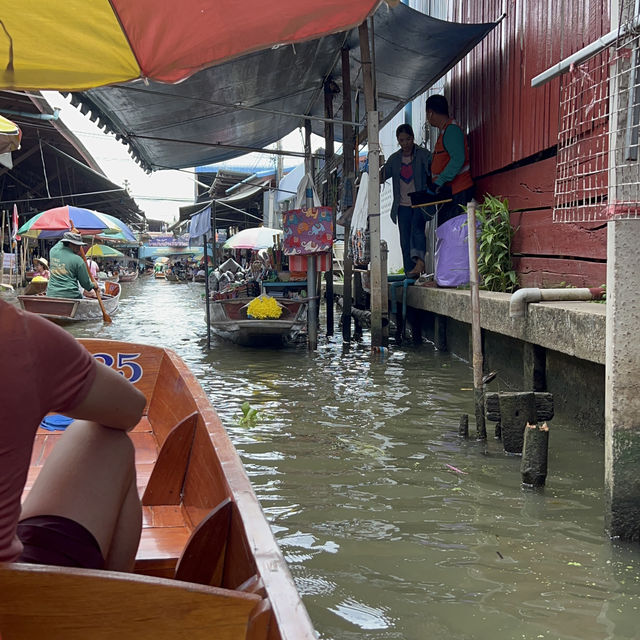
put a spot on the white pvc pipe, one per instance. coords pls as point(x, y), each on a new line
point(521, 298)
point(586, 52)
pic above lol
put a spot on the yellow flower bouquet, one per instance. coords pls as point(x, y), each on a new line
point(264, 307)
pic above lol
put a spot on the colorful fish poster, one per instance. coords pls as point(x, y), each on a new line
point(307, 231)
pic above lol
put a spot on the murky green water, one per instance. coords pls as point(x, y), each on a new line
point(349, 460)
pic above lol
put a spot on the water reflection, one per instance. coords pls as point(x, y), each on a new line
point(393, 527)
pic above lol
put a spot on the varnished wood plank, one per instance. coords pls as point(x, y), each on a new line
point(115, 605)
point(203, 558)
point(163, 516)
point(167, 479)
point(162, 543)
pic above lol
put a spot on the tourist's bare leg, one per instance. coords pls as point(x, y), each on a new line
point(90, 477)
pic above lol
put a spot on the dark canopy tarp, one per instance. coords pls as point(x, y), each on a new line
point(189, 124)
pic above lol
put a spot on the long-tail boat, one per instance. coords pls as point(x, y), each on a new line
point(129, 276)
point(208, 566)
point(228, 318)
point(73, 309)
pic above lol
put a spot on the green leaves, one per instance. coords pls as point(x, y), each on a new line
point(494, 249)
point(249, 416)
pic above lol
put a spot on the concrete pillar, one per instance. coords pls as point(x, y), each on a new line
point(622, 385)
point(535, 365)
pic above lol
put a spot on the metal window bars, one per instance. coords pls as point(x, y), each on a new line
point(598, 167)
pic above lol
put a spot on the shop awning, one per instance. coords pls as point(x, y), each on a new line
point(255, 100)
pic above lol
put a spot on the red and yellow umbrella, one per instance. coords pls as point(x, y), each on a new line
point(76, 45)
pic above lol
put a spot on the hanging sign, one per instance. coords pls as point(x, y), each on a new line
point(307, 231)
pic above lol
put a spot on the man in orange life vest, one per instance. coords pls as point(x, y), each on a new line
point(450, 171)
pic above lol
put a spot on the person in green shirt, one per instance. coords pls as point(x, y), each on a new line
point(68, 269)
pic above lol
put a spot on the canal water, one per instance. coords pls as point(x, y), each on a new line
point(393, 527)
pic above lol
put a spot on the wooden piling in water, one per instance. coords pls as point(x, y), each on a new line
point(513, 410)
point(533, 467)
point(463, 428)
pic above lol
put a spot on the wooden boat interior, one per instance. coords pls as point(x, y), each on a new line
point(202, 525)
point(63, 307)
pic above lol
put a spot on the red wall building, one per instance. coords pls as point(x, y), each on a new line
point(513, 128)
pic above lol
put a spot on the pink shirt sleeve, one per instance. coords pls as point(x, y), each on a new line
point(36, 354)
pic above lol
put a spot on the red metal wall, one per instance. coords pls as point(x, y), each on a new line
point(510, 124)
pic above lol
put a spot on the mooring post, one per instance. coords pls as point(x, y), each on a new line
point(463, 428)
point(476, 327)
point(533, 467)
point(513, 410)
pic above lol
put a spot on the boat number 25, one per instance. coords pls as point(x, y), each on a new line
point(124, 364)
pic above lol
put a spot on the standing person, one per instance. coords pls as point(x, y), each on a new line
point(83, 509)
point(41, 268)
point(93, 268)
point(68, 269)
point(408, 169)
point(450, 169)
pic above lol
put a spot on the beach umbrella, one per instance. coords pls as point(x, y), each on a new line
point(52, 223)
point(254, 238)
point(103, 251)
point(123, 231)
point(10, 136)
point(76, 45)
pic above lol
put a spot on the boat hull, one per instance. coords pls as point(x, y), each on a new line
point(72, 309)
point(228, 319)
point(172, 277)
point(207, 566)
point(129, 277)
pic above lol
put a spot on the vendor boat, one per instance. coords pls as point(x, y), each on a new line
point(73, 309)
point(112, 278)
point(207, 566)
point(129, 277)
point(228, 318)
point(174, 277)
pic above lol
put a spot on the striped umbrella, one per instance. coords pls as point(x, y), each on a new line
point(75, 44)
point(54, 222)
point(103, 251)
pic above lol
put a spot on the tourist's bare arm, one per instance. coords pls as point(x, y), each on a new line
point(112, 401)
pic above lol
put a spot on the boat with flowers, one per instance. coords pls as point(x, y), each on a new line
point(258, 321)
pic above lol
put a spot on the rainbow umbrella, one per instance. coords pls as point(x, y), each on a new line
point(77, 45)
point(103, 251)
point(54, 222)
point(122, 231)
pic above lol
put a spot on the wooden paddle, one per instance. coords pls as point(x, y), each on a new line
point(105, 316)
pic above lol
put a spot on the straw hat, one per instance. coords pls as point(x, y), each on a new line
point(42, 261)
